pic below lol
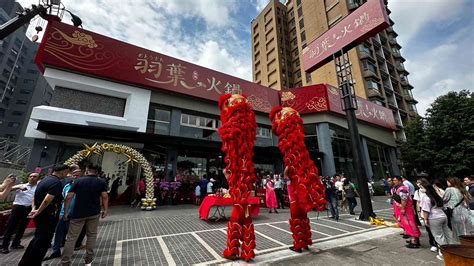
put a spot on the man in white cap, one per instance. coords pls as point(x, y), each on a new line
point(210, 185)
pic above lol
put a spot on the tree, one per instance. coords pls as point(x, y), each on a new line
point(414, 153)
point(443, 143)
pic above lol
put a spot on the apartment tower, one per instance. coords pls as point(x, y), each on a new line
point(281, 32)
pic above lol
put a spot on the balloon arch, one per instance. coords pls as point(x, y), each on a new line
point(149, 202)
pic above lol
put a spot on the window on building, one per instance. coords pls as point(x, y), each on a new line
point(17, 42)
point(301, 23)
point(364, 48)
point(264, 132)
point(2, 113)
point(303, 36)
point(158, 120)
point(21, 102)
point(298, 2)
point(378, 102)
point(14, 51)
point(372, 85)
point(369, 66)
point(308, 78)
point(300, 12)
point(28, 81)
point(17, 113)
point(13, 124)
point(412, 107)
point(32, 71)
point(6, 73)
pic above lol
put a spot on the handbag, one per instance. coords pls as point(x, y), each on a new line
point(449, 213)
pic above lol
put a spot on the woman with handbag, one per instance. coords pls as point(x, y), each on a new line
point(434, 217)
point(456, 201)
point(405, 213)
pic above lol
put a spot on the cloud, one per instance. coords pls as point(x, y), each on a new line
point(437, 42)
point(411, 16)
point(204, 32)
point(260, 4)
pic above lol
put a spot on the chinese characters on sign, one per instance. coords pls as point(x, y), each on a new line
point(331, 41)
point(368, 112)
point(152, 68)
point(355, 28)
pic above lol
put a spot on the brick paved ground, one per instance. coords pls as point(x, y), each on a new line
point(175, 235)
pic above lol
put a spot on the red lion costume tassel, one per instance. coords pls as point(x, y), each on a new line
point(306, 189)
point(238, 132)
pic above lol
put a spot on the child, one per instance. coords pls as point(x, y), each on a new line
point(197, 198)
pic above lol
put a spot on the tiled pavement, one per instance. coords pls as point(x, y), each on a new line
point(174, 235)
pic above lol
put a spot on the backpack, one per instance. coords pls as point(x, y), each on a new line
point(349, 191)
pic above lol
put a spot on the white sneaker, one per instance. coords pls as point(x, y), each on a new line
point(434, 249)
point(440, 257)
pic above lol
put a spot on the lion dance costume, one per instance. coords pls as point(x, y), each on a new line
point(238, 132)
point(306, 190)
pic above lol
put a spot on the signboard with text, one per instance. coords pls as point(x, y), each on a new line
point(77, 50)
point(360, 25)
point(325, 98)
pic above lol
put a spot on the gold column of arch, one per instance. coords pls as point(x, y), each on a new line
point(149, 202)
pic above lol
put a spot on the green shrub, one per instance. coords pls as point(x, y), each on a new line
point(6, 205)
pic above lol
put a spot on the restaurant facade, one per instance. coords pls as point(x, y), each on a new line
point(108, 91)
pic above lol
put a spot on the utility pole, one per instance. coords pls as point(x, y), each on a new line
point(349, 105)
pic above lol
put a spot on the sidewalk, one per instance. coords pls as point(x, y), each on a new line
point(174, 235)
point(384, 250)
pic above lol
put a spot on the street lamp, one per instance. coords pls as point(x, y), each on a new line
point(349, 105)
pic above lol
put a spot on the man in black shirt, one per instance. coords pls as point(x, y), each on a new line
point(91, 202)
point(45, 211)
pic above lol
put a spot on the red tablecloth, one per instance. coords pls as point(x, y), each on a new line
point(210, 202)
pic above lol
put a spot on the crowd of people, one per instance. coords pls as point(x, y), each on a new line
point(447, 211)
point(65, 205)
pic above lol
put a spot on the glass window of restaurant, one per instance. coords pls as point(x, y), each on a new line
point(158, 120)
point(379, 159)
point(199, 126)
point(311, 142)
point(342, 151)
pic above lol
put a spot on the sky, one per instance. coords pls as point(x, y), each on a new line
point(437, 36)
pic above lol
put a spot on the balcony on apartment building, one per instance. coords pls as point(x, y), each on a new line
point(373, 89)
point(387, 88)
point(401, 69)
point(365, 53)
point(375, 42)
point(370, 70)
point(392, 103)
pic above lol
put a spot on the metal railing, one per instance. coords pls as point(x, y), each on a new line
point(14, 152)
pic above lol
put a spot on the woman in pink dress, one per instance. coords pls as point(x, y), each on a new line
point(404, 212)
point(270, 196)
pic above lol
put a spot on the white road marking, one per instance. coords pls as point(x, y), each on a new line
point(314, 231)
point(281, 229)
point(118, 254)
point(206, 246)
point(341, 222)
point(166, 251)
point(334, 228)
point(271, 239)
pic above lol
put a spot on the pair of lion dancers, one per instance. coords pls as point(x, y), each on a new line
point(238, 134)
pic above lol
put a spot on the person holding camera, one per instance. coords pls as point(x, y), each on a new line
point(19, 216)
point(331, 196)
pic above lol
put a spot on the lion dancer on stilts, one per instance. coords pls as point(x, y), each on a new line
point(238, 132)
point(306, 191)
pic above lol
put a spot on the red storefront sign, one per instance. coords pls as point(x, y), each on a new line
point(358, 26)
point(325, 98)
point(77, 50)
